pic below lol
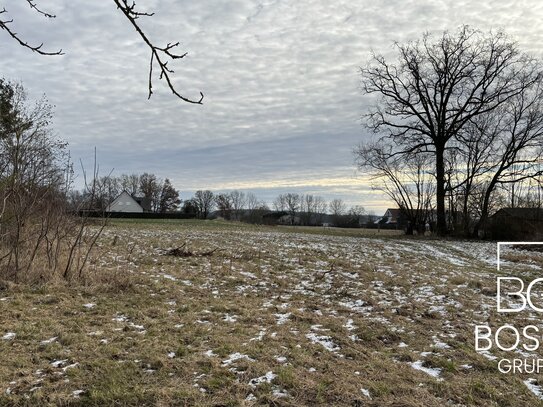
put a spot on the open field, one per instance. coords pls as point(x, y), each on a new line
point(273, 316)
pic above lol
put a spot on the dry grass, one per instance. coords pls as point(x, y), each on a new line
point(279, 316)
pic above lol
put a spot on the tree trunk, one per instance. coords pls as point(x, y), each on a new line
point(484, 209)
point(441, 227)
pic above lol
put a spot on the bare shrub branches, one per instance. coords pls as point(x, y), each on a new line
point(39, 239)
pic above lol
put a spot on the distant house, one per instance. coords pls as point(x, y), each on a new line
point(390, 219)
point(516, 224)
point(397, 218)
point(130, 204)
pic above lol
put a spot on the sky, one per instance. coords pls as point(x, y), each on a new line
point(283, 103)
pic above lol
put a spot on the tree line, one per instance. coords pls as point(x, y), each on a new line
point(293, 208)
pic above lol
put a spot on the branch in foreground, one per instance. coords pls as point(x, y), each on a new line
point(38, 49)
point(158, 54)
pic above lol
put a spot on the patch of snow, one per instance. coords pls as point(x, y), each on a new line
point(77, 393)
point(230, 318)
point(58, 363)
point(434, 372)
point(235, 357)
point(282, 318)
point(534, 387)
point(9, 336)
point(267, 378)
point(323, 340)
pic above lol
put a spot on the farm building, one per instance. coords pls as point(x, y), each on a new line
point(130, 204)
point(516, 224)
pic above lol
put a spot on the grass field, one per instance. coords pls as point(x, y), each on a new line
point(263, 316)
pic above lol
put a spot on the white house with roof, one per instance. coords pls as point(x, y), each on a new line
point(125, 203)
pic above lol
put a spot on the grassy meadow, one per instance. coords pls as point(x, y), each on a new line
point(248, 315)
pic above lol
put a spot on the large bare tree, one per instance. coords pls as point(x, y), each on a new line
point(160, 56)
point(437, 87)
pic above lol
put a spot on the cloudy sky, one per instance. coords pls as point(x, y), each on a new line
point(282, 92)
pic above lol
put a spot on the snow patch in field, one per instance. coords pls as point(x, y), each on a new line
point(235, 357)
point(230, 318)
point(434, 372)
point(276, 392)
point(120, 318)
point(349, 325)
point(323, 340)
point(267, 378)
point(48, 341)
point(9, 336)
point(282, 318)
point(247, 274)
point(534, 387)
point(487, 355)
point(58, 363)
point(259, 337)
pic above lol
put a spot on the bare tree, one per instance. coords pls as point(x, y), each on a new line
point(279, 203)
point(238, 200)
point(357, 214)
point(224, 205)
point(205, 202)
point(169, 198)
point(438, 87)
point(150, 187)
point(160, 56)
point(130, 183)
point(312, 208)
point(292, 204)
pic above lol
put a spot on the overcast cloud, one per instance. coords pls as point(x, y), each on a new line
point(282, 100)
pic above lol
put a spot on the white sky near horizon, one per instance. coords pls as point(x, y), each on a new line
point(283, 105)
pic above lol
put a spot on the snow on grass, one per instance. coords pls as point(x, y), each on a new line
point(349, 325)
point(282, 318)
point(323, 340)
point(58, 363)
point(366, 393)
point(534, 387)
point(487, 355)
point(48, 341)
point(234, 357)
point(267, 378)
point(434, 372)
point(230, 318)
point(9, 336)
